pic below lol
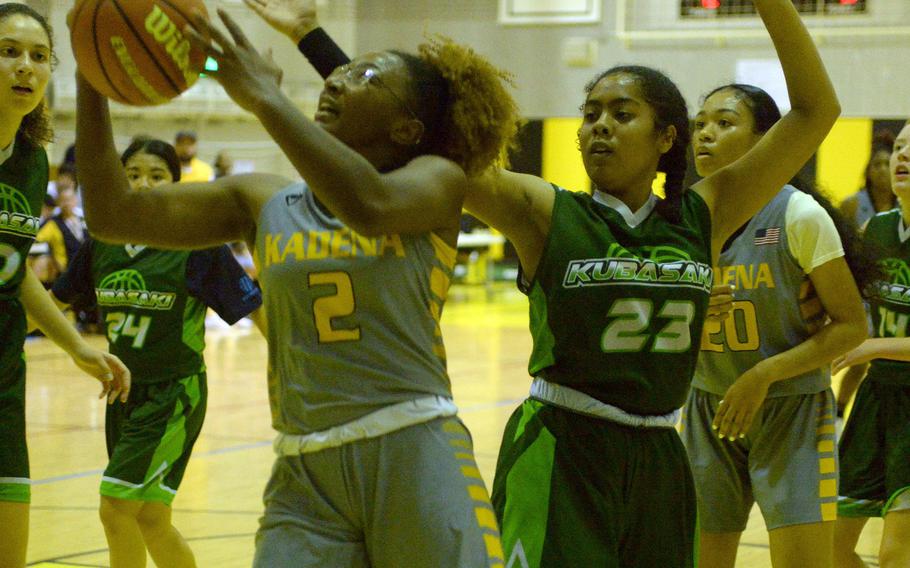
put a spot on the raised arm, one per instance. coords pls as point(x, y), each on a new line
point(424, 195)
point(171, 216)
point(784, 149)
point(297, 19)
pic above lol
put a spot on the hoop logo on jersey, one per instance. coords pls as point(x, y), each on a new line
point(341, 243)
point(897, 271)
point(16, 214)
point(127, 288)
point(747, 276)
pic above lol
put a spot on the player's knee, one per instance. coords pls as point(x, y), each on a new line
point(115, 514)
point(153, 520)
point(893, 554)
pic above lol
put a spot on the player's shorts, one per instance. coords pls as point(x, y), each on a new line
point(787, 463)
point(572, 489)
point(875, 451)
point(412, 497)
point(150, 438)
point(14, 474)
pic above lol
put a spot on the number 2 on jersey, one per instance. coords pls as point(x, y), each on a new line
point(337, 305)
point(633, 316)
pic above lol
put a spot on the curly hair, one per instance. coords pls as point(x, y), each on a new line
point(36, 125)
point(670, 109)
point(469, 116)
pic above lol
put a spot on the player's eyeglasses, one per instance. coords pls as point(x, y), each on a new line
point(367, 75)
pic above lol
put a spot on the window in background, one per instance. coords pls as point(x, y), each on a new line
point(735, 8)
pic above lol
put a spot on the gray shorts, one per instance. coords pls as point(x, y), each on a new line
point(787, 463)
point(413, 497)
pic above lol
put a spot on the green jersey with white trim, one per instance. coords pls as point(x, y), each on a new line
point(618, 300)
point(23, 184)
point(890, 301)
point(143, 297)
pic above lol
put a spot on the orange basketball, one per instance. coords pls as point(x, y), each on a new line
point(134, 51)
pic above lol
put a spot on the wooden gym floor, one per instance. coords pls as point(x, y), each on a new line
point(219, 502)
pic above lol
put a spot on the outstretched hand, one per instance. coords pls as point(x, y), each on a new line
point(247, 76)
point(293, 18)
point(108, 369)
point(858, 356)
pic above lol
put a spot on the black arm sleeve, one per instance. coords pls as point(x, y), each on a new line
point(322, 52)
point(75, 286)
point(214, 277)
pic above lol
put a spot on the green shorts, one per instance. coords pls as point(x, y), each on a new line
point(875, 451)
point(575, 490)
point(786, 462)
point(14, 473)
point(150, 438)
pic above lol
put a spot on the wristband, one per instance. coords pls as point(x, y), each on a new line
point(322, 52)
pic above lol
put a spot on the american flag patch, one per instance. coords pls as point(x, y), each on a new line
point(769, 236)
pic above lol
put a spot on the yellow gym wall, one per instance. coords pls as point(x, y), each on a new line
point(561, 160)
point(842, 158)
point(840, 161)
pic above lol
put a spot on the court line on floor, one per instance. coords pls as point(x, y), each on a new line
point(58, 561)
point(252, 446)
point(176, 510)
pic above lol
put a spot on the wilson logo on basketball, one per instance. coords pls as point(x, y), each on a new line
point(177, 46)
point(132, 71)
point(134, 51)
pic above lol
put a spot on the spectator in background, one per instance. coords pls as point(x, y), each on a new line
point(63, 234)
point(191, 168)
point(40, 259)
point(65, 231)
point(66, 179)
point(876, 196)
point(47, 208)
point(224, 164)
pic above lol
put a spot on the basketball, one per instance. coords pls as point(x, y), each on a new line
point(134, 51)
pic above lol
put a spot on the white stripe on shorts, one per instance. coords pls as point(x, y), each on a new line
point(16, 480)
point(571, 399)
point(383, 421)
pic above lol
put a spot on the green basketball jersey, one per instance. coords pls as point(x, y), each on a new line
point(23, 184)
point(616, 309)
point(143, 297)
point(890, 302)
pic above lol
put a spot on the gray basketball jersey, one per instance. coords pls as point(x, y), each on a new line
point(775, 307)
point(353, 321)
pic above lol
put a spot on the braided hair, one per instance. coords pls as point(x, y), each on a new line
point(670, 109)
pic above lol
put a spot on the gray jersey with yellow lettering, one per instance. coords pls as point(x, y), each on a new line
point(775, 307)
point(353, 321)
